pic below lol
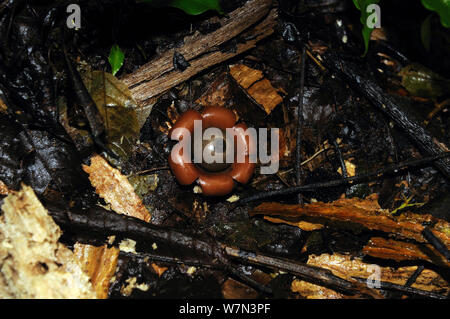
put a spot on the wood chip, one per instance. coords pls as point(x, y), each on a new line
point(99, 263)
point(33, 264)
point(159, 269)
point(3, 107)
point(312, 291)
point(350, 167)
point(3, 188)
point(258, 87)
point(115, 189)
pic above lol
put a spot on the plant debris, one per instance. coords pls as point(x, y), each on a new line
point(91, 207)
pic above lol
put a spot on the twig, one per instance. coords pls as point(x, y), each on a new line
point(100, 223)
point(384, 102)
point(310, 273)
point(353, 180)
point(405, 289)
point(298, 168)
point(213, 265)
point(341, 159)
point(202, 51)
point(436, 242)
point(150, 170)
point(411, 280)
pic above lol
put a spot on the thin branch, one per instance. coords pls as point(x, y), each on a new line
point(436, 242)
point(298, 165)
point(350, 180)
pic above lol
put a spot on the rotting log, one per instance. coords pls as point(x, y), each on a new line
point(247, 25)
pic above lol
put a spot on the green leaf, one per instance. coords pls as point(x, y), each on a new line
point(442, 7)
point(192, 7)
point(366, 31)
point(116, 57)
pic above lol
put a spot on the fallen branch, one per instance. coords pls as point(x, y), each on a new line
point(202, 51)
point(396, 168)
point(100, 223)
point(384, 102)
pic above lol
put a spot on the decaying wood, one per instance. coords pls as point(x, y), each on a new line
point(248, 24)
point(99, 263)
point(347, 267)
point(33, 264)
point(399, 250)
point(311, 291)
point(307, 272)
point(3, 188)
point(101, 223)
point(364, 213)
point(115, 189)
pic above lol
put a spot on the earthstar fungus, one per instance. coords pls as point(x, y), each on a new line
point(216, 179)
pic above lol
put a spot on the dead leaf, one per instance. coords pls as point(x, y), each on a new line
point(118, 110)
point(258, 87)
point(115, 189)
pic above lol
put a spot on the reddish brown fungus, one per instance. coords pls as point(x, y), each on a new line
point(215, 179)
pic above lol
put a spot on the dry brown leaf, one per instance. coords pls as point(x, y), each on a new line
point(122, 116)
point(99, 263)
point(115, 189)
point(33, 263)
point(258, 87)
